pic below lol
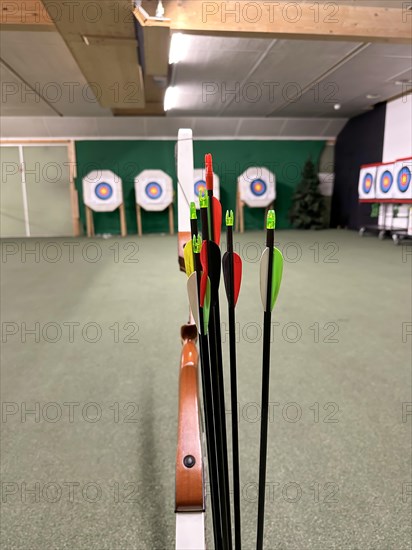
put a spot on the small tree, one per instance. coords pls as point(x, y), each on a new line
point(308, 205)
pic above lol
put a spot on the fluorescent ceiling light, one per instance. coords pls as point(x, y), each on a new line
point(177, 48)
point(170, 98)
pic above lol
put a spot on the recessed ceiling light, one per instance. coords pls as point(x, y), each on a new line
point(337, 107)
point(373, 96)
point(170, 98)
point(403, 83)
point(178, 47)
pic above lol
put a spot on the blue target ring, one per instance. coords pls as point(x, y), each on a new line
point(200, 187)
point(258, 187)
point(103, 191)
point(386, 181)
point(367, 183)
point(153, 190)
point(404, 179)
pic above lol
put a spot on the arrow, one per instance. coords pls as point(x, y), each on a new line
point(232, 273)
point(201, 317)
point(271, 268)
point(211, 264)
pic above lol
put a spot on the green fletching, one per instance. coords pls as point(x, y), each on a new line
point(203, 199)
point(276, 275)
point(229, 218)
point(197, 244)
point(193, 213)
point(271, 220)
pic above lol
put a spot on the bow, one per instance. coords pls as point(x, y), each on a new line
point(190, 489)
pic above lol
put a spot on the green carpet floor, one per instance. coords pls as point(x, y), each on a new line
point(106, 316)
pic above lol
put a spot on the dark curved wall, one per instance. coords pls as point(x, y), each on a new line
point(360, 142)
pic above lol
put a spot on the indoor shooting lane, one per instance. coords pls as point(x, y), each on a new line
point(206, 275)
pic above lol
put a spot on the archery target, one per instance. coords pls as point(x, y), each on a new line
point(385, 181)
point(257, 187)
point(102, 191)
point(367, 179)
point(199, 185)
point(403, 179)
point(154, 190)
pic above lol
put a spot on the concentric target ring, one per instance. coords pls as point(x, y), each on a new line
point(103, 191)
point(367, 183)
point(404, 179)
point(258, 187)
point(200, 187)
point(386, 181)
point(153, 190)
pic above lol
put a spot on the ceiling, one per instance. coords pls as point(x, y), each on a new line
point(224, 76)
point(231, 81)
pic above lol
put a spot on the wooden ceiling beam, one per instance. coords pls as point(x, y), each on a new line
point(27, 15)
point(286, 20)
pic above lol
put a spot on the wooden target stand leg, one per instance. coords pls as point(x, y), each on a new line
point(89, 222)
point(139, 220)
point(123, 227)
point(171, 224)
point(240, 219)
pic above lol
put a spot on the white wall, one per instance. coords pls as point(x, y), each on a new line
point(397, 142)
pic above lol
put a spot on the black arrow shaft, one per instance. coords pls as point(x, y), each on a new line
point(233, 390)
point(267, 318)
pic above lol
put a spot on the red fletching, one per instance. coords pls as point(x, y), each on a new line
point(209, 171)
point(205, 267)
point(237, 275)
point(217, 220)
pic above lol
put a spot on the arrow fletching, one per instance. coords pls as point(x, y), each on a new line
point(211, 263)
point(193, 298)
point(217, 219)
point(232, 287)
point(276, 275)
point(188, 257)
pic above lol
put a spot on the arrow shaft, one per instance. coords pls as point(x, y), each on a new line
point(209, 418)
point(267, 318)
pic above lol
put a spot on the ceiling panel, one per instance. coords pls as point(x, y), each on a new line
point(371, 72)
point(18, 99)
point(43, 60)
point(287, 69)
point(166, 128)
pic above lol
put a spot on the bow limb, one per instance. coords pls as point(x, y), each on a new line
point(189, 495)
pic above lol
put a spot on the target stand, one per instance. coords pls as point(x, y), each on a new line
point(102, 192)
point(154, 193)
point(256, 188)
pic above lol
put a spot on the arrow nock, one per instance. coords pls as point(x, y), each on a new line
point(193, 213)
point(203, 199)
point(271, 220)
point(229, 218)
point(197, 244)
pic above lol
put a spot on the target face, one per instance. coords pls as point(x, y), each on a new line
point(367, 183)
point(386, 181)
point(199, 185)
point(367, 179)
point(404, 179)
point(154, 190)
point(102, 191)
point(257, 187)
